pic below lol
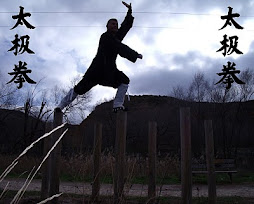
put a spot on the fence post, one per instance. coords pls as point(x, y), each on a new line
point(96, 160)
point(210, 162)
point(120, 146)
point(152, 136)
point(55, 158)
point(186, 174)
point(45, 183)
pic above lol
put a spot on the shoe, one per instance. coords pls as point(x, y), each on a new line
point(122, 108)
point(71, 95)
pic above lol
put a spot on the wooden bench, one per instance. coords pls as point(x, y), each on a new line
point(221, 166)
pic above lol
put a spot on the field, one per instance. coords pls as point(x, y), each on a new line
point(78, 170)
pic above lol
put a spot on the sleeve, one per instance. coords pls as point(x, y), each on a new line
point(125, 26)
point(127, 52)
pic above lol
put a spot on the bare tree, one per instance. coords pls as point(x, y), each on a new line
point(203, 90)
point(43, 102)
point(79, 107)
point(199, 88)
point(219, 94)
point(246, 90)
point(179, 92)
point(237, 93)
point(8, 97)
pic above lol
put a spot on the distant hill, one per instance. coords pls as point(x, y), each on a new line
point(17, 131)
point(232, 123)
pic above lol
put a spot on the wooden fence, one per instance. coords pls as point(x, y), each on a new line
point(50, 181)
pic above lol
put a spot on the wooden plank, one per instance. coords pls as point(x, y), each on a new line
point(210, 162)
point(96, 161)
point(45, 183)
point(120, 148)
point(152, 135)
point(225, 171)
point(55, 158)
point(205, 172)
point(225, 161)
point(186, 175)
point(200, 166)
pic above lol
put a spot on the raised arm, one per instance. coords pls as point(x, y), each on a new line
point(126, 24)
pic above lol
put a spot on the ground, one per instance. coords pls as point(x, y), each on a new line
point(231, 193)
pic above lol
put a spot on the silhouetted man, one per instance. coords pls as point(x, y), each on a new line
point(103, 70)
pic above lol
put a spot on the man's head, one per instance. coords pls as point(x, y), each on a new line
point(112, 25)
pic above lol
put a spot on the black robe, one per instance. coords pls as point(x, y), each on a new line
point(103, 69)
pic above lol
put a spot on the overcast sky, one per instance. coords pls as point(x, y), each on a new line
point(176, 38)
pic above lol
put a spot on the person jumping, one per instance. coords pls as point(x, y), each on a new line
point(103, 69)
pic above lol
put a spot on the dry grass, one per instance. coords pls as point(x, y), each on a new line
point(33, 172)
point(80, 167)
point(25, 164)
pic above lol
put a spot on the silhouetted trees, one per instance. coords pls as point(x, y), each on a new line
point(228, 125)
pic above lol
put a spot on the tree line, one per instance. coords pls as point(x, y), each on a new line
point(203, 89)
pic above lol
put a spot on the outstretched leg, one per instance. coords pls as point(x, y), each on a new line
point(81, 88)
point(71, 95)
